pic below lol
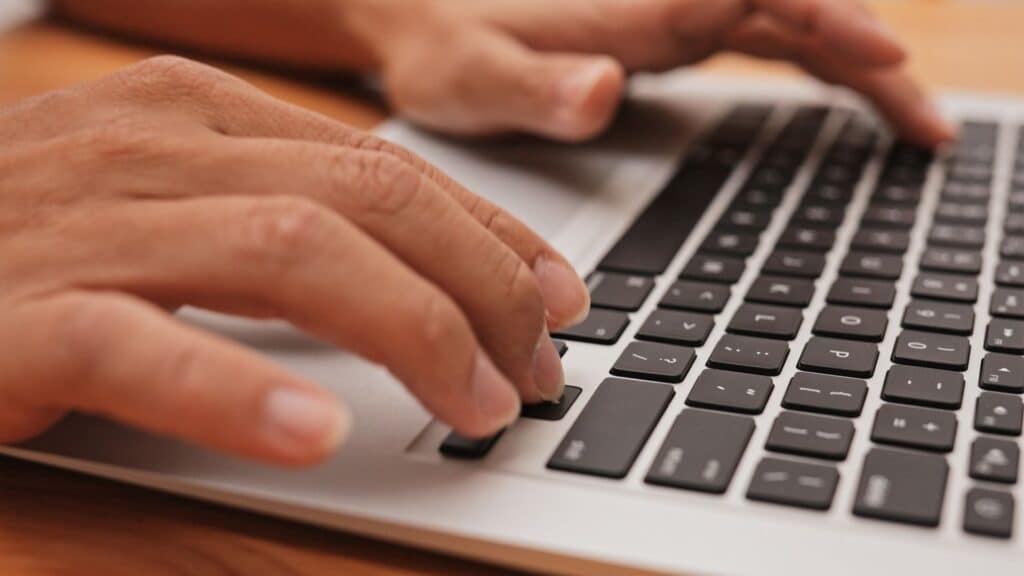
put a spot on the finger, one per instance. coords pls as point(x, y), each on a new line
point(117, 356)
point(902, 101)
point(302, 262)
point(840, 24)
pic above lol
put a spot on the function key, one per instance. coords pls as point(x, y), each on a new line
point(767, 321)
point(826, 394)
point(861, 292)
point(995, 460)
point(930, 349)
point(749, 354)
point(1005, 335)
point(619, 291)
point(902, 487)
point(875, 240)
point(842, 357)
point(713, 443)
point(1002, 372)
point(612, 428)
point(998, 413)
point(675, 327)
point(730, 243)
point(654, 361)
point(939, 317)
point(951, 260)
point(714, 268)
point(885, 266)
point(732, 391)
point(792, 263)
point(699, 296)
point(945, 287)
point(782, 291)
point(1007, 302)
point(989, 513)
point(914, 427)
point(849, 322)
point(794, 483)
point(811, 435)
point(599, 327)
point(924, 386)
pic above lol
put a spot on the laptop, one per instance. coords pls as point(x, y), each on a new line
point(805, 356)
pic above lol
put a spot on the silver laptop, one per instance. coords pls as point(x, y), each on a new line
point(805, 356)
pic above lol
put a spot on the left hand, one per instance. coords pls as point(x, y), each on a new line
point(557, 68)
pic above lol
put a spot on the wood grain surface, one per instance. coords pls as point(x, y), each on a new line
point(54, 522)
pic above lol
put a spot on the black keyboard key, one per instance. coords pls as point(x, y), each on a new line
point(913, 427)
point(886, 216)
point(868, 265)
point(1004, 335)
point(957, 213)
point(701, 451)
point(1010, 273)
point(456, 445)
point(933, 350)
point(794, 483)
point(998, 413)
point(767, 321)
point(861, 292)
point(951, 260)
point(654, 238)
point(808, 239)
point(561, 347)
point(1014, 223)
point(842, 357)
point(827, 216)
point(989, 513)
point(965, 192)
point(1007, 302)
point(811, 435)
point(599, 327)
point(826, 394)
point(924, 386)
point(730, 243)
point(902, 486)
point(939, 317)
point(950, 287)
point(697, 296)
point(995, 460)
point(749, 354)
point(710, 268)
point(674, 327)
point(826, 193)
point(732, 391)
point(791, 263)
point(957, 236)
point(853, 323)
point(1012, 247)
point(654, 361)
point(741, 219)
point(1002, 372)
point(552, 410)
point(612, 428)
point(875, 240)
point(619, 291)
point(781, 291)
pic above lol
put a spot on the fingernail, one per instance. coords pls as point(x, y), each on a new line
point(496, 399)
point(547, 369)
point(566, 297)
point(574, 89)
point(304, 423)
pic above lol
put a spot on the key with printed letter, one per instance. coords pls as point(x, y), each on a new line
point(781, 291)
point(850, 322)
point(697, 296)
point(676, 327)
point(619, 291)
point(701, 451)
point(599, 327)
point(939, 317)
point(902, 486)
point(767, 321)
point(862, 292)
point(843, 357)
point(612, 428)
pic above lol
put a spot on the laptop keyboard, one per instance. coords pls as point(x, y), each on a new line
point(903, 476)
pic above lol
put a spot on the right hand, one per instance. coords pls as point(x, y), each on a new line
point(171, 183)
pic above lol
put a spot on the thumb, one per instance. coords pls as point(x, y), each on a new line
point(496, 84)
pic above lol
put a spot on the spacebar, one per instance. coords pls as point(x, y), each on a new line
point(649, 245)
point(608, 435)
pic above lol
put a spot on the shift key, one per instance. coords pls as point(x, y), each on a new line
point(614, 425)
point(701, 451)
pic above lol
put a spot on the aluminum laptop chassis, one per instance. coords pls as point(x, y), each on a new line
point(390, 481)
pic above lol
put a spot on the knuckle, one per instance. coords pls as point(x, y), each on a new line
point(118, 140)
point(156, 78)
point(170, 69)
point(439, 323)
point(384, 184)
point(280, 229)
point(79, 330)
point(522, 292)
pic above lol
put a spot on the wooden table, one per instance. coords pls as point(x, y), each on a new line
point(54, 522)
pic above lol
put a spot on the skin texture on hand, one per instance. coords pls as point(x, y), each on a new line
point(172, 183)
point(556, 69)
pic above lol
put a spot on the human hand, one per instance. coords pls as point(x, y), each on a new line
point(557, 68)
point(171, 183)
